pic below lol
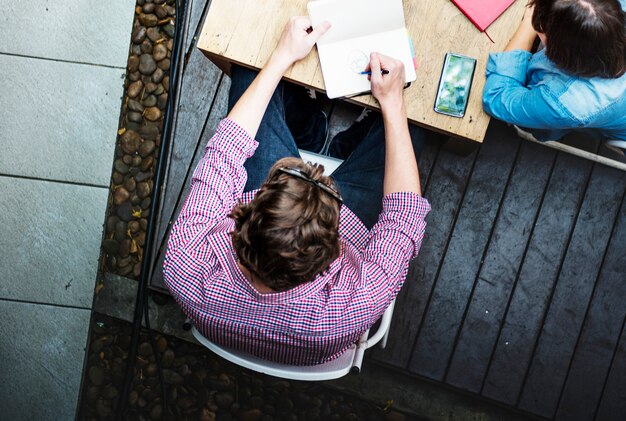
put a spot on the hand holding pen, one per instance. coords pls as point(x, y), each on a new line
point(387, 90)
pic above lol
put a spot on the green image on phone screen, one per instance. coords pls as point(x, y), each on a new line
point(455, 84)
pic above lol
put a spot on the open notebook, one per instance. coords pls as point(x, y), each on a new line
point(482, 13)
point(359, 27)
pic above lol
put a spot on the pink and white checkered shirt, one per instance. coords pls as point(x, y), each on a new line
point(311, 323)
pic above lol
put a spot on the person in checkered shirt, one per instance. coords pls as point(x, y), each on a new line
point(271, 257)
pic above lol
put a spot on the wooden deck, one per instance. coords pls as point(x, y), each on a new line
point(519, 293)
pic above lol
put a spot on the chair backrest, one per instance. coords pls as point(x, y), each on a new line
point(349, 361)
point(334, 369)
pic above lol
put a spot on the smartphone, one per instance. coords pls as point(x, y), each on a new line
point(454, 84)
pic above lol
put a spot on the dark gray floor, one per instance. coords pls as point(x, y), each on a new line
point(519, 293)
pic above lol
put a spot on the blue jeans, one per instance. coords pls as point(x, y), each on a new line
point(359, 177)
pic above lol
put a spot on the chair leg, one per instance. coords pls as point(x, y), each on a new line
point(617, 146)
point(383, 342)
point(361, 346)
point(358, 360)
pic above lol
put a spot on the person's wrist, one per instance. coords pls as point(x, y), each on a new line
point(281, 60)
point(392, 106)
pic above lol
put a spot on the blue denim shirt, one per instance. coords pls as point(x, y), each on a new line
point(530, 91)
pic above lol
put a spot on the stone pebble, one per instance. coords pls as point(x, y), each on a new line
point(134, 89)
point(138, 35)
point(147, 64)
point(148, 19)
point(159, 52)
point(154, 34)
point(146, 46)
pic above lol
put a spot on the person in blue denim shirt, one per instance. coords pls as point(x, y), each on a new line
point(578, 81)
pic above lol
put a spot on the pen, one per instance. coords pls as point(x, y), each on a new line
point(382, 72)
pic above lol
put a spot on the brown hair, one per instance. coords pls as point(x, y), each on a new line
point(584, 37)
point(289, 232)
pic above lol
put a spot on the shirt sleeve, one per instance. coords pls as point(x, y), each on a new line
point(217, 184)
point(507, 97)
point(394, 240)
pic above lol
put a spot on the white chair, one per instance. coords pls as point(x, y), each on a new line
point(618, 146)
point(330, 164)
point(349, 361)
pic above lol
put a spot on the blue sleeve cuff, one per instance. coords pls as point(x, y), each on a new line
point(513, 64)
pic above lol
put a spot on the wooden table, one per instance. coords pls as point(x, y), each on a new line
point(246, 32)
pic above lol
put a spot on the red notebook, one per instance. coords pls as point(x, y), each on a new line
point(482, 13)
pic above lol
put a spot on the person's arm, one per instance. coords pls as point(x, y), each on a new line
point(295, 43)
point(506, 95)
point(507, 98)
point(401, 173)
point(525, 36)
point(220, 177)
point(394, 241)
point(397, 236)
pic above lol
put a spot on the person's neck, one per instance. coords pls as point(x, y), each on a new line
point(254, 281)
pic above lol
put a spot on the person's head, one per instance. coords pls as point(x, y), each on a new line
point(289, 232)
point(583, 37)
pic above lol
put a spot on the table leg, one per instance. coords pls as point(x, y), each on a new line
point(222, 63)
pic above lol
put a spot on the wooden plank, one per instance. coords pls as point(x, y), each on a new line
point(198, 10)
point(444, 190)
point(463, 257)
point(436, 27)
point(199, 85)
point(221, 15)
point(603, 322)
point(614, 399)
point(176, 197)
point(499, 272)
point(538, 273)
point(428, 157)
point(575, 284)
